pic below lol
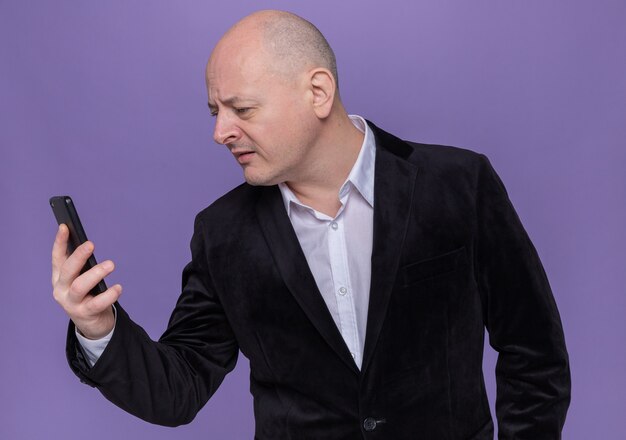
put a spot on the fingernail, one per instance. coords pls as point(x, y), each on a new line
point(108, 265)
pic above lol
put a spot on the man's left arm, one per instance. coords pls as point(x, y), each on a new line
point(520, 314)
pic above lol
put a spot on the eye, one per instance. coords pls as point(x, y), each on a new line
point(214, 114)
point(242, 110)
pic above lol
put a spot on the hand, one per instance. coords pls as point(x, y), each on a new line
point(92, 315)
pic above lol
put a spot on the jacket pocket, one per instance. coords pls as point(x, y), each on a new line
point(431, 267)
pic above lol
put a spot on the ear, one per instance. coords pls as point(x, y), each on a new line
point(323, 89)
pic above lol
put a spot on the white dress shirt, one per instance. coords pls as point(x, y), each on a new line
point(338, 250)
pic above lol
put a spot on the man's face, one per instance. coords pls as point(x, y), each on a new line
point(264, 118)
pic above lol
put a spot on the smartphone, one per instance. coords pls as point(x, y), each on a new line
point(65, 212)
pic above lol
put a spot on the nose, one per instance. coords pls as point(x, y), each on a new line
point(226, 131)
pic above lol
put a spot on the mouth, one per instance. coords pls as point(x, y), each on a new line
point(244, 156)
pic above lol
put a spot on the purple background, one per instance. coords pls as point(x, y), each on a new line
point(105, 101)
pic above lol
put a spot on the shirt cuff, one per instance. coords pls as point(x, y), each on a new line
point(93, 348)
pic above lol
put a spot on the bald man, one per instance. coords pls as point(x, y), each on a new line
point(356, 271)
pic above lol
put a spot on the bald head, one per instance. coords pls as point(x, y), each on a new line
point(272, 89)
point(293, 43)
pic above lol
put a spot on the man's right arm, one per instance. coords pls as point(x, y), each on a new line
point(168, 381)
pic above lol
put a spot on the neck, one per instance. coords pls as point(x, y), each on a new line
point(328, 164)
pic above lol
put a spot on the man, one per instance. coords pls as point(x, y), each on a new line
point(355, 271)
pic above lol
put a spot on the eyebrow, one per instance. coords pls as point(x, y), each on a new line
point(230, 101)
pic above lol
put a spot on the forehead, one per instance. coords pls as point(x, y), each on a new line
point(239, 68)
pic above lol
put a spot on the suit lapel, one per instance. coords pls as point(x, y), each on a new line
point(394, 182)
point(393, 192)
point(293, 267)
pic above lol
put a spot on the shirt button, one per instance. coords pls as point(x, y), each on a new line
point(353, 355)
point(342, 291)
point(334, 225)
point(369, 424)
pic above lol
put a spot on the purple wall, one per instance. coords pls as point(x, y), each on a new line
point(105, 101)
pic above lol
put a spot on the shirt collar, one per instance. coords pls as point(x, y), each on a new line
point(362, 173)
point(361, 176)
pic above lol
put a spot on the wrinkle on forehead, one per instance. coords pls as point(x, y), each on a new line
point(232, 82)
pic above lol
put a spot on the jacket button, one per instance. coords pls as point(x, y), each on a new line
point(369, 424)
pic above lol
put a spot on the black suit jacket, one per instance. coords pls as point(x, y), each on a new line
point(450, 258)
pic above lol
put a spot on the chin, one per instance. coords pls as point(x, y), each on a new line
point(258, 180)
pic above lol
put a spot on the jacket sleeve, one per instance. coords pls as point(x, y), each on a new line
point(169, 381)
point(520, 314)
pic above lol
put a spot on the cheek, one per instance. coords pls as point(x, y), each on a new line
point(285, 136)
point(301, 128)
point(283, 141)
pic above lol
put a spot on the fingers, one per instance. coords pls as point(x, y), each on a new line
point(99, 303)
point(59, 251)
point(92, 314)
point(73, 264)
point(83, 284)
